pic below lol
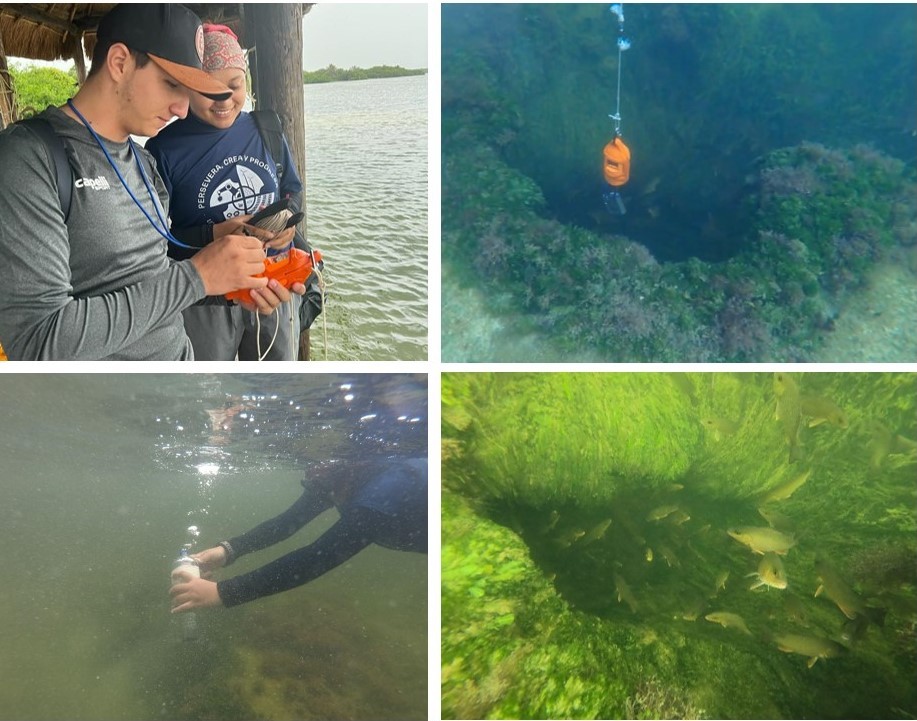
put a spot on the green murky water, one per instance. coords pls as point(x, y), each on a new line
point(102, 473)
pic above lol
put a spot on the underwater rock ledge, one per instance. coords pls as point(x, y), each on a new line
point(823, 219)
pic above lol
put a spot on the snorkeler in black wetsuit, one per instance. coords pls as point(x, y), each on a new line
point(379, 502)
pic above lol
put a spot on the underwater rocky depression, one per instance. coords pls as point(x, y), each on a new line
point(679, 545)
point(773, 181)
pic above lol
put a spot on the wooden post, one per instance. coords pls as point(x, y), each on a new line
point(79, 61)
point(8, 113)
point(274, 30)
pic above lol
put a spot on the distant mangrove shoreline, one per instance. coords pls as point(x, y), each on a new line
point(333, 74)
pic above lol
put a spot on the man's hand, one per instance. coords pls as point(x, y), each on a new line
point(230, 263)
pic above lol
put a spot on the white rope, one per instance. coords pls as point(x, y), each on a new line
point(276, 223)
point(623, 44)
point(294, 346)
point(321, 286)
point(617, 116)
point(262, 356)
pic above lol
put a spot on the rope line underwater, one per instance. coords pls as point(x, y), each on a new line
point(623, 44)
point(616, 168)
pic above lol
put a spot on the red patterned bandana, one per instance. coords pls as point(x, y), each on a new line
point(221, 49)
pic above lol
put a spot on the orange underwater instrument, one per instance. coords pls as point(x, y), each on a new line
point(616, 170)
point(293, 266)
point(617, 162)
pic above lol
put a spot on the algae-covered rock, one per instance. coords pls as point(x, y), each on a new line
point(511, 648)
point(487, 619)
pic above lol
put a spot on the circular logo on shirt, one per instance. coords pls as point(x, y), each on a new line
point(235, 185)
point(240, 194)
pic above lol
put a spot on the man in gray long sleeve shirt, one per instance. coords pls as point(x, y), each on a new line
point(100, 285)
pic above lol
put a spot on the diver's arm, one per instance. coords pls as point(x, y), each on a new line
point(308, 506)
point(350, 535)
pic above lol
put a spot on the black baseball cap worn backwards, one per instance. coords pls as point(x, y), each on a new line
point(171, 35)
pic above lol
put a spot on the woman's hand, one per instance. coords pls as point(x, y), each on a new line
point(267, 299)
point(277, 241)
point(193, 593)
point(233, 226)
point(240, 226)
point(281, 240)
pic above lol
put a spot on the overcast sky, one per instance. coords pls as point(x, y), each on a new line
point(348, 34)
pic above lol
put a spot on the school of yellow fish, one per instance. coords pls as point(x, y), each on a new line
point(776, 539)
point(772, 542)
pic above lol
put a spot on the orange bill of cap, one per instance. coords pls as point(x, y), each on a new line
point(194, 79)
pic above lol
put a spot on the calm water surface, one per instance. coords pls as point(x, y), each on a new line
point(366, 176)
point(101, 477)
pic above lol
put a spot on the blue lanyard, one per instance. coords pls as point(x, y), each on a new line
point(164, 230)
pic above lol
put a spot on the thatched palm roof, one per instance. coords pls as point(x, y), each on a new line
point(47, 32)
point(52, 31)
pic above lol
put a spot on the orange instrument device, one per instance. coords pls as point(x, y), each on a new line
point(289, 267)
point(293, 266)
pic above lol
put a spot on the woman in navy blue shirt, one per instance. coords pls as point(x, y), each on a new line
point(381, 502)
point(219, 172)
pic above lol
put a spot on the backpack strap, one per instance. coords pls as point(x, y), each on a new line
point(271, 132)
point(55, 146)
